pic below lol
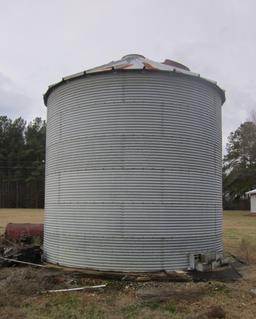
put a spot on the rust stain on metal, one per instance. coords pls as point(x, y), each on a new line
point(126, 66)
point(149, 66)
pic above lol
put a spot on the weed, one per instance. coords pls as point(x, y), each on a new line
point(93, 312)
point(130, 311)
point(170, 307)
point(152, 305)
point(248, 250)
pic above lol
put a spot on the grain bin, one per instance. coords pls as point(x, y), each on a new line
point(133, 168)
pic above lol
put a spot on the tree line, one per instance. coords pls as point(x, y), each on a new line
point(239, 166)
point(22, 164)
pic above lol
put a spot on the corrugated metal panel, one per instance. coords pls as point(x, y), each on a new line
point(133, 171)
point(253, 203)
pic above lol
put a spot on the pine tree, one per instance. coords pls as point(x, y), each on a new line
point(239, 168)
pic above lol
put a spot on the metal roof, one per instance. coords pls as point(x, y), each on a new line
point(252, 192)
point(135, 62)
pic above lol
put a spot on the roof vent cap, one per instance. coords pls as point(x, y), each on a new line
point(176, 64)
point(133, 56)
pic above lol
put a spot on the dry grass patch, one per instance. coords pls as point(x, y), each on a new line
point(20, 287)
point(240, 234)
point(20, 297)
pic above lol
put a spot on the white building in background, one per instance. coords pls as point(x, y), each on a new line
point(252, 195)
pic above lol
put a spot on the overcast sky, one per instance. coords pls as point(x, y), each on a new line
point(42, 41)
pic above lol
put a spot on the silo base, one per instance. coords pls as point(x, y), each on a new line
point(225, 272)
point(172, 276)
point(198, 263)
point(207, 262)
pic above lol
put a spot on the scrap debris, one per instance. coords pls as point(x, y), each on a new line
point(19, 251)
point(22, 262)
point(75, 289)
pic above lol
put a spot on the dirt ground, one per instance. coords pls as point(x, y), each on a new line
point(21, 288)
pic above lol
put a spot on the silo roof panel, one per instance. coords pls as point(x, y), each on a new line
point(135, 62)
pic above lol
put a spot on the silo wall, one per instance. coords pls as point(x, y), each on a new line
point(133, 171)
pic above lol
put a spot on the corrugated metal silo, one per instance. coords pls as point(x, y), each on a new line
point(133, 167)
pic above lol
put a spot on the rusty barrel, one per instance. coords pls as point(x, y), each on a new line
point(15, 231)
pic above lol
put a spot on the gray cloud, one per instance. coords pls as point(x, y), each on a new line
point(42, 41)
point(12, 102)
